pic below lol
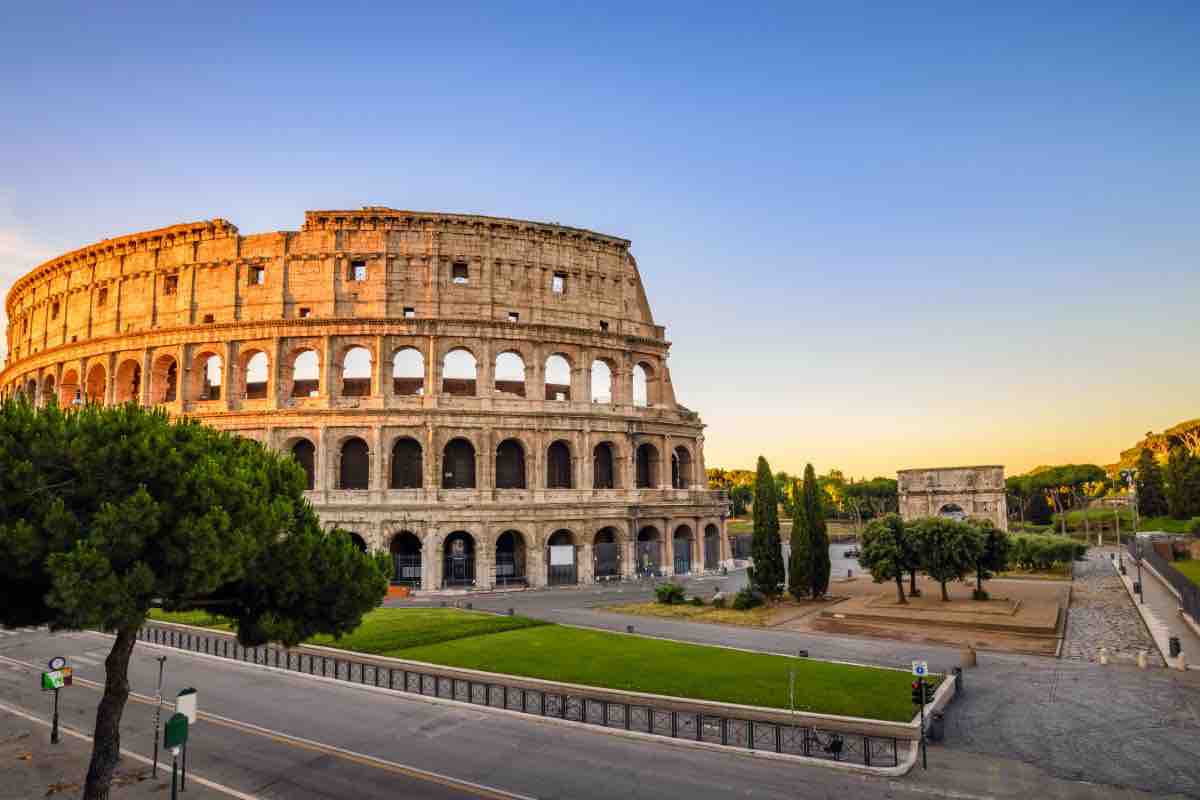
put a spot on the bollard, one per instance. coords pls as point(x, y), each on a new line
point(1103, 655)
point(937, 726)
point(510, 612)
point(849, 574)
point(1141, 659)
point(958, 680)
point(470, 606)
point(1173, 647)
point(969, 658)
point(629, 629)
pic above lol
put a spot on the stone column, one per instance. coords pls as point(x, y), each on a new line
point(585, 564)
point(378, 480)
point(329, 370)
point(144, 388)
point(275, 375)
point(382, 367)
point(581, 384)
point(485, 561)
point(485, 371)
point(433, 368)
point(232, 385)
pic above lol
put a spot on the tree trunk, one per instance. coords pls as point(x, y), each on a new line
point(913, 591)
point(978, 583)
point(106, 745)
point(945, 594)
point(900, 588)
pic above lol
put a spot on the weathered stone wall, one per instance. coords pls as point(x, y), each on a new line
point(141, 318)
point(977, 491)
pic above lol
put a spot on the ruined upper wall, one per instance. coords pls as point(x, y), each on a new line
point(370, 263)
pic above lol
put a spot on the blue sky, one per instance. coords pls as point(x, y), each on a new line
point(879, 236)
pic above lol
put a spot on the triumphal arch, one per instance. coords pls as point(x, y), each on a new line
point(956, 492)
point(487, 399)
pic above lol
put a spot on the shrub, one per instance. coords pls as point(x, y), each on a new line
point(1195, 528)
point(1044, 552)
point(669, 594)
point(747, 599)
point(719, 601)
point(697, 601)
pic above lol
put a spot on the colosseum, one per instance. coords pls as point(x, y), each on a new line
point(486, 399)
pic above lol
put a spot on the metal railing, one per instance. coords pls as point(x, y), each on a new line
point(730, 731)
point(1189, 593)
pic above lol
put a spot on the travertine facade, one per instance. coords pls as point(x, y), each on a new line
point(488, 399)
point(959, 492)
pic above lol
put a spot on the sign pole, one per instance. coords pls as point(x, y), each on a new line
point(157, 714)
point(54, 739)
point(174, 776)
point(924, 749)
point(183, 776)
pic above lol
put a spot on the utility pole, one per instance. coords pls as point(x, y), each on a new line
point(157, 713)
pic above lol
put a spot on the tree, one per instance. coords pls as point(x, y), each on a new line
point(1183, 483)
point(991, 554)
point(1040, 512)
point(1151, 494)
point(107, 512)
point(799, 574)
point(766, 548)
point(817, 533)
point(739, 497)
point(948, 549)
point(884, 551)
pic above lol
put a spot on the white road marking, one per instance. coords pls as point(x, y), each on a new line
point(83, 660)
point(100, 654)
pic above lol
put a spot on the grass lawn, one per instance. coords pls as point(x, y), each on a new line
point(534, 649)
point(754, 617)
point(1190, 569)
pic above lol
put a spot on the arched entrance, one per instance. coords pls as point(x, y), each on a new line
point(649, 551)
point(407, 467)
point(603, 471)
point(560, 559)
point(681, 550)
point(606, 555)
point(406, 559)
point(712, 546)
point(304, 452)
point(952, 511)
point(358, 540)
point(458, 465)
point(558, 466)
point(510, 559)
point(510, 465)
point(458, 560)
point(354, 472)
point(647, 466)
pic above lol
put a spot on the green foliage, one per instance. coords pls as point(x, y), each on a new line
point(747, 598)
point(993, 549)
point(885, 550)
point(871, 498)
point(1183, 483)
point(808, 564)
point(697, 601)
point(669, 594)
point(1039, 511)
point(799, 572)
point(740, 497)
point(947, 549)
point(1033, 552)
point(766, 548)
point(1151, 491)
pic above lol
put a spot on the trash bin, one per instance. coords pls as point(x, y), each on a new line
point(1174, 647)
point(937, 726)
point(958, 680)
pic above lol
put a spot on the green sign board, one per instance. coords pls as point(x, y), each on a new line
point(176, 732)
point(56, 678)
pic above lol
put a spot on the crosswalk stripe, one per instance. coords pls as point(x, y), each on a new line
point(100, 654)
point(83, 660)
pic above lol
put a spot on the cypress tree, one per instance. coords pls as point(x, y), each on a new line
point(818, 534)
point(799, 559)
point(766, 548)
point(1151, 494)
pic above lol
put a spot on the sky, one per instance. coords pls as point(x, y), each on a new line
point(880, 235)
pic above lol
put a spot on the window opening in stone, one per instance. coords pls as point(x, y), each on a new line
point(354, 469)
point(409, 312)
point(102, 298)
point(510, 374)
point(358, 271)
point(305, 454)
point(603, 325)
point(54, 309)
point(681, 468)
point(171, 284)
point(601, 382)
point(681, 550)
point(458, 373)
point(513, 316)
point(510, 465)
point(210, 377)
point(649, 551)
point(458, 465)
point(305, 313)
point(356, 372)
point(306, 381)
point(510, 559)
point(258, 276)
point(358, 541)
point(458, 565)
point(558, 466)
point(603, 469)
point(641, 386)
point(208, 318)
point(408, 372)
point(558, 284)
point(647, 466)
point(561, 559)
point(256, 376)
point(406, 464)
point(164, 380)
point(558, 378)
point(406, 558)
point(460, 272)
point(606, 553)
point(129, 382)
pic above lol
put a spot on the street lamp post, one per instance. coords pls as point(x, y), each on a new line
point(1138, 546)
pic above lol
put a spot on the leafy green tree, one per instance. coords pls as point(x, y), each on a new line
point(739, 497)
point(766, 548)
point(884, 551)
point(1039, 509)
point(992, 553)
point(1151, 493)
point(108, 512)
point(948, 549)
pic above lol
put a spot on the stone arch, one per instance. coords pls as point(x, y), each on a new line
point(304, 363)
point(405, 548)
point(48, 394)
point(31, 390)
point(562, 568)
point(558, 377)
point(681, 468)
point(511, 464)
point(460, 372)
point(254, 367)
point(354, 464)
point(408, 464)
point(712, 546)
point(97, 382)
point(649, 554)
point(164, 380)
point(458, 560)
point(305, 453)
point(207, 375)
point(510, 373)
point(69, 390)
point(682, 543)
point(643, 384)
point(129, 381)
point(647, 466)
point(357, 540)
point(606, 554)
point(605, 474)
point(511, 558)
point(408, 372)
point(558, 465)
point(602, 380)
point(952, 511)
point(458, 464)
point(357, 363)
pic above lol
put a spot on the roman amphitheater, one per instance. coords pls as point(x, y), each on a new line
point(487, 399)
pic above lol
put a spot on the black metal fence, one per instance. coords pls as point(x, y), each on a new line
point(741, 545)
point(740, 732)
point(1188, 591)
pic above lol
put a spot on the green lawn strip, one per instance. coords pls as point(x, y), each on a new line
point(1190, 569)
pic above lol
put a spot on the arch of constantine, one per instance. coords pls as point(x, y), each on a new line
point(955, 492)
point(486, 399)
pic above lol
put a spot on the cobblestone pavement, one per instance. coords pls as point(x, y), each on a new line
point(1102, 615)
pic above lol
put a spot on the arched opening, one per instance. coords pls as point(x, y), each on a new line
point(510, 559)
point(354, 467)
point(207, 368)
point(681, 468)
point(510, 374)
point(356, 372)
point(601, 382)
point(606, 554)
point(96, 380)
point(254, 375)
point(647, 466)
point(408, 372)
point(712, 547)
point(459, 373)
point(561, 559)
point(952, 511)
point(458, 465)
point(69, 390)
point(649, 551)
point(604, 472)
point(129, 382)
point(558, 378)
point(164, 380)
point(407, 464)
point(458, 567)
point(357, 540)
point(31, 393)
point(48, 395)
point(681, 550)
point(558, 466)
point(306, 374)
point(305, 454)
point(510, 465)
point(641, 385)
point(406, 559)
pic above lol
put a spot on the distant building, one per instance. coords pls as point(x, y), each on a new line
point(954, 492)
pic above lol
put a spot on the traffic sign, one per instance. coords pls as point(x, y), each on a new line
point(56, 678)
point(58, 662)
point(185, 704)
point(176, 731)
point(920, 668)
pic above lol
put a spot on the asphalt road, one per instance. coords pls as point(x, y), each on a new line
point(281, 735)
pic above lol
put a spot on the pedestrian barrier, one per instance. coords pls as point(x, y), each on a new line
point(743, 732)
point(1189, 593)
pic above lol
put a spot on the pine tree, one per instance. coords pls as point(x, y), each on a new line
point(1183, 483)
point(766, 548)
point(1040, 512)
point(799, 559)
point(1151, 494)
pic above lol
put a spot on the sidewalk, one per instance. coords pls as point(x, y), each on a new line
point(1160, 607)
